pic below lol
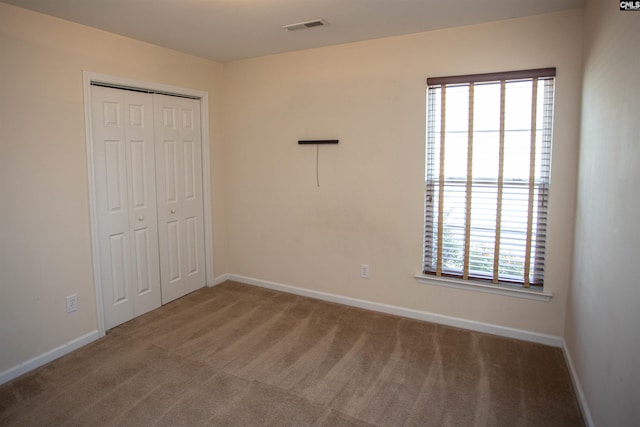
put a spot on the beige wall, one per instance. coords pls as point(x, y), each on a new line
point(369, 206)
point(603, 315)
point(45, 250)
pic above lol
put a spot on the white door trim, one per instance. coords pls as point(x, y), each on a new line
point(89, 77)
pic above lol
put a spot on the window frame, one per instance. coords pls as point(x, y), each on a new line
point(463, 278)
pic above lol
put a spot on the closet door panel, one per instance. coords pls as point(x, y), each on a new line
point(180, 208)
point(124, 166)
point(112, 203)
point(119, 271)
point(139, 136)
point(144, 249)
point(192, 184)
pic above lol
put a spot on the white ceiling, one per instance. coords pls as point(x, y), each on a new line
point(225, 30)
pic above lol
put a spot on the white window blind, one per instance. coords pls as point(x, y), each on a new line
point(487, 175)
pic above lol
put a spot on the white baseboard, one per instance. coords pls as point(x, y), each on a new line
point(47, 357)
point(586, 414)
point(220, 279)
point(406, 312)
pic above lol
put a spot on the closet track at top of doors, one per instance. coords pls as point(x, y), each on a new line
point(142, 90)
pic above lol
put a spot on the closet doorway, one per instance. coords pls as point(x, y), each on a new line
point(147, 152)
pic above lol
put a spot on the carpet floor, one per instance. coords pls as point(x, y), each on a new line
point(238, 355)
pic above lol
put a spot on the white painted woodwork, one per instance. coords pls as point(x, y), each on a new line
point(124, 165)
point(179, 195)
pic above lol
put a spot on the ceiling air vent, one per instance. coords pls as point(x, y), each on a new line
point(305, 25)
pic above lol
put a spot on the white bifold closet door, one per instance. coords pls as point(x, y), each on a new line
point(124, 165)
point(148, 175)
point(179, 184)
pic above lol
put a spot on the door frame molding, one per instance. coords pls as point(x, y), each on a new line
point(89, 77)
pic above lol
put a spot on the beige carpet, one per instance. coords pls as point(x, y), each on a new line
point(237, 355)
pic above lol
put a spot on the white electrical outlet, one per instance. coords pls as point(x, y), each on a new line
point(72, 303)
point(364, 271)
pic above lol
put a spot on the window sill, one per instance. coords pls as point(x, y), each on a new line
point(484, 287)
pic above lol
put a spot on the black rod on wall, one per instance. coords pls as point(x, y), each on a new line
point(318, 141)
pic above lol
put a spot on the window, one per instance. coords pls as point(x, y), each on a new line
point(487, 176)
